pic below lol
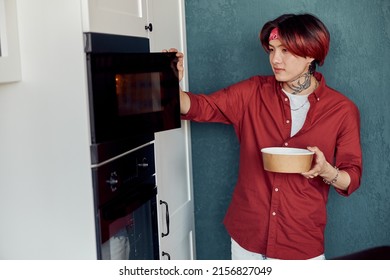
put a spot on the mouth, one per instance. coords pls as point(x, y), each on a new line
point(278, 70)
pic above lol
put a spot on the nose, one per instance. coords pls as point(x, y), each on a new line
point(275, 57)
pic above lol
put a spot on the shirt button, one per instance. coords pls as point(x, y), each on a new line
point(276, 189)
point(287, 121)
point(286, 99)
point(273, 213)
point(286, 144)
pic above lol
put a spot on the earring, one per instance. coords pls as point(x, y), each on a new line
point(312, 67)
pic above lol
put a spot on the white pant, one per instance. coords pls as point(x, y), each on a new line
point(239, 253)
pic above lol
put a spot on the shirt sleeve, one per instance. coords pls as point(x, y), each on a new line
point(224, 106)
point(348, 149)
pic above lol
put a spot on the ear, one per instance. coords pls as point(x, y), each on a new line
point(309, 59)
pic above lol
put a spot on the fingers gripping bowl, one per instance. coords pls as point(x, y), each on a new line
point(287, 160)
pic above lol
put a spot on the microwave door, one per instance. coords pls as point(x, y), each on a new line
point(133, 94)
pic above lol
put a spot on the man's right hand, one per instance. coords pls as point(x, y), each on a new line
point(180, 62)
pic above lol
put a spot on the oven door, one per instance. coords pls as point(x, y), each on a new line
point(128, 225)
point(132, 94)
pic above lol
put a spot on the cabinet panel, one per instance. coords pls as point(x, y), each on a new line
point(121, 17)
point(10, 70)
point(176, 251)
point(173, 149)
point(173, 175)
point(168, 25)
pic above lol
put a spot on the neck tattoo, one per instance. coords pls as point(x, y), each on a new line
point(301, 86)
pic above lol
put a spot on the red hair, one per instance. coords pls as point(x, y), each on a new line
point(304, 35)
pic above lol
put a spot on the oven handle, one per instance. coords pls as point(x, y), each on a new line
point(166, 217)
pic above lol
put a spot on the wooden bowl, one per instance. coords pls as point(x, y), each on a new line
point(287, 160)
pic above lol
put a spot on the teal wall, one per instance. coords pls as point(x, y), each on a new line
point(223, 48)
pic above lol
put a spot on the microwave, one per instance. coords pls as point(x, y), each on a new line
point(133, 93)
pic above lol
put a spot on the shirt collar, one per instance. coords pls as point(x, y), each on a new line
point(320, 90)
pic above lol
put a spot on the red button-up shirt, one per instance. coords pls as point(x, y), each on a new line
point(282, 215)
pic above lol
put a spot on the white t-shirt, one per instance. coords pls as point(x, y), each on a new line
point(299, 105)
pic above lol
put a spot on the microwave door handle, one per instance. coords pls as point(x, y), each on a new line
point(166, 217)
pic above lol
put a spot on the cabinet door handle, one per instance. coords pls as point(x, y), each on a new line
point(166, 217)
point(149, 27)
point(166, 254)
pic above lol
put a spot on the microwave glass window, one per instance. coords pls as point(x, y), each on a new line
point(138, 93)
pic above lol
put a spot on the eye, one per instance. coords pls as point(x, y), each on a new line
point(285, 50)
point(270, 49)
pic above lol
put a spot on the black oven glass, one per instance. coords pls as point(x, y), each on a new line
point(129, 234)
point(138, 93)
point(132, 94)
point(125, 205)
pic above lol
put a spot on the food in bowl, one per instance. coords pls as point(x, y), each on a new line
point(287, 160)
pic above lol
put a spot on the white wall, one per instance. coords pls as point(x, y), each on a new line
point(46, 205)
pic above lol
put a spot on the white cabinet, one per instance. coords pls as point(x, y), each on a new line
point(175, 191)
point(123, 17)
point(173, 150)
point(46, 195)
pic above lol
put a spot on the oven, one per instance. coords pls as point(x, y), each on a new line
point(126, 210)
point(132, 94)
